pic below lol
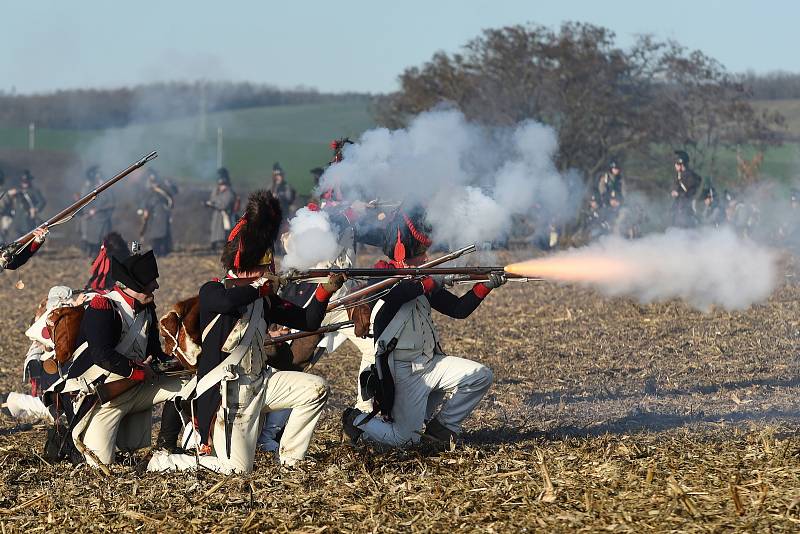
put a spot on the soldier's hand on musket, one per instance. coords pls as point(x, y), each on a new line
point(674, 194)
point(145, 365)
point(334, 283)
point(495, 280)
point(268, 282)
point(40, 234)
point(276, 330)
point(11, 192)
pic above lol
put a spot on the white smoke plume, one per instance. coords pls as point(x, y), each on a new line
point(312, 239)
point(471, 180)
point(702, 267)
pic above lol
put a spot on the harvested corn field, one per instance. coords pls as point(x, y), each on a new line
point(604, 415)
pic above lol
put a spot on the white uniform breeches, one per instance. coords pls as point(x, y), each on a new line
point(422, 386)
point(304, 393)
point(126, 420)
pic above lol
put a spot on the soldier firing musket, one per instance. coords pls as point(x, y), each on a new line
point(408, 374)
point(19, 251)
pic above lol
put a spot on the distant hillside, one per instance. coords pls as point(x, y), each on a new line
point(295, 135)
point(118, 107)
point(789, 108)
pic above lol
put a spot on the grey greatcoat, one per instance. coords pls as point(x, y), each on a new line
point(96, 218)
point(24, 202)
point(158, 204)
point(222, 219)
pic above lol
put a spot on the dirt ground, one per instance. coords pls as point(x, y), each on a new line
point(605, 415)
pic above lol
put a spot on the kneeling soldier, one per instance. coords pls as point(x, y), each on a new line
point(235, 385)
point(410, 376)
point(112, 371)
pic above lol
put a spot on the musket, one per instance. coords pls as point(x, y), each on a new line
point(14, 248)
point(271, 341)
point(358, 272)
point(333, 327)
point(389, 282)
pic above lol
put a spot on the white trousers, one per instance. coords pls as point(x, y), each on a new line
point(24, 406)
point(303, 393)
point(276, 421)
point(422, 386)
point(126, 421)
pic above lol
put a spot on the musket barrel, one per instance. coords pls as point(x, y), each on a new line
point(388, 282)
point(406, 271)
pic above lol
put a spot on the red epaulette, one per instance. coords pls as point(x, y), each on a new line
point(381, 264)
point(100, 303)
point(216, 279)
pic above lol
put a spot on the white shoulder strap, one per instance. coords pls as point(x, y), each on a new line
point(216, 375)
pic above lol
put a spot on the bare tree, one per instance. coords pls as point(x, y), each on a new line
point(603, 100)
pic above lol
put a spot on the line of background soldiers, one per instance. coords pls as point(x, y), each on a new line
point(610, 209)
point(607, 211)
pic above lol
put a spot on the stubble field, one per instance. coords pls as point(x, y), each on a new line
point(605, 415)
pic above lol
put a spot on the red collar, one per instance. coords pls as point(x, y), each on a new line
point(133, 303)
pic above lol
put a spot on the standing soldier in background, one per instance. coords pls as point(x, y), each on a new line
point(609, 186)
point(156, 214)
point(789, 228)
point(5, 211)
point(687, 182)
point(605, 202)
point(222, 201)
point(713, 212)
point(27, 203)
point(96, 220)
point(282, 190)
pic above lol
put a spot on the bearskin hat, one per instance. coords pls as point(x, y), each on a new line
point(406, 235)
point(254, 235)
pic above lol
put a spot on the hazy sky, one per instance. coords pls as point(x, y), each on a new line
point(338, 45)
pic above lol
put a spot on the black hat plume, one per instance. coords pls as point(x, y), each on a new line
point(255, 233)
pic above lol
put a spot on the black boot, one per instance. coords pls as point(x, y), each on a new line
point(171, 426)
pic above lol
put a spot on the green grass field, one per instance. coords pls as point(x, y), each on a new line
point(296, 136)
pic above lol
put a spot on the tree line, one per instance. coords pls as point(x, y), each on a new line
point(773, 85)
point(108, 108)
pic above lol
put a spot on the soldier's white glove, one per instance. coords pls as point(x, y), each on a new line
point(496, 280)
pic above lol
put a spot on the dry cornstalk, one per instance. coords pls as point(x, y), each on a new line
point(213, 488)
point(23, 505)
point(549, 493)
point(681, 495)
point(737, 500)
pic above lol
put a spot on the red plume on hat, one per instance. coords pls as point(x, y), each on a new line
point(407, 235)
point(255, 233)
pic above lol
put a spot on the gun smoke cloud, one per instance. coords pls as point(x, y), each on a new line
point(703, 267)
point(471, 180)
point(312, 239)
